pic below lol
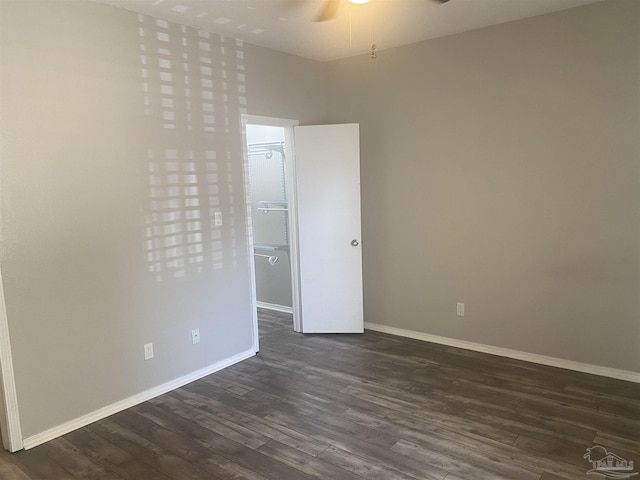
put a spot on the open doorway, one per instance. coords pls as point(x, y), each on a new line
point(269, 212)
point(312, 203)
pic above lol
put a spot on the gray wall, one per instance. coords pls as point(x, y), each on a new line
point(286, 86)
point(110, 175)
point(500, 168)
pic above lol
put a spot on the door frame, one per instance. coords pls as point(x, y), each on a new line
point(9, 412)
point(290, 189)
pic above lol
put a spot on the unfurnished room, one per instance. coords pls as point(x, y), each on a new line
point(320, 239)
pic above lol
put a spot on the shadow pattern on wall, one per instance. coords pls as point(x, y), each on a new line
point(194, 92)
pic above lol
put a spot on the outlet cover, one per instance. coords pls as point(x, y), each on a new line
point(460, 309)
point(195, 335)
point(148, 351)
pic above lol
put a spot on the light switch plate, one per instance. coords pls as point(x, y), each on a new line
point(148, 351)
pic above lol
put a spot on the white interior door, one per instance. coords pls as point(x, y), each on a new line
point(327, 184)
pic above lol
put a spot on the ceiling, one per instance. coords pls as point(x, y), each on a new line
point(288, 26)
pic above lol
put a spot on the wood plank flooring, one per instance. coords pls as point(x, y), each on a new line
point(369, 406)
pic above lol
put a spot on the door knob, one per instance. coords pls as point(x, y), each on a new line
point(354, 243)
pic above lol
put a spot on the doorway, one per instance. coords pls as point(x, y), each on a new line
point(304, 211)
point(269, 212)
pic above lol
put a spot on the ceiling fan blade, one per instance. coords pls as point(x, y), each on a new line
point(329, 11)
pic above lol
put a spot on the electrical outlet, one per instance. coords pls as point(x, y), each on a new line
point(195, 335)
point(218, 219)
point(460, 309)
point(148, 351)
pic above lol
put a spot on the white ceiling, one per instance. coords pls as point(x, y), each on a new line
point(287, 25)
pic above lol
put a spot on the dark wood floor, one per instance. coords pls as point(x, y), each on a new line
point(369, 406)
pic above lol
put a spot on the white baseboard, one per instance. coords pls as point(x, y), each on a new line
point(506, 352)
point(275, 307)
point(104, 412)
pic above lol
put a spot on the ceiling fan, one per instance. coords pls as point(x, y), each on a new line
point(329, 10)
